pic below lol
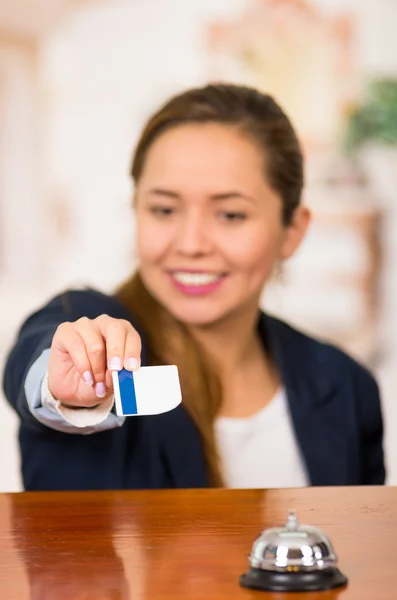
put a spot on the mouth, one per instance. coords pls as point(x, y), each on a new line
point(196, 278)
point(196, 282)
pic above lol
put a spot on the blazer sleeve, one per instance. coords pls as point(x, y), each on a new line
point(35, 336)
point(371, 429)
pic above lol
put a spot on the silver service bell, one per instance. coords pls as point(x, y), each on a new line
point(292, 558)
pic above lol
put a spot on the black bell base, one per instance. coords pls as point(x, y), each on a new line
point(276, 581)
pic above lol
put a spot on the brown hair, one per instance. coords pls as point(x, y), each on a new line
point(167, 340)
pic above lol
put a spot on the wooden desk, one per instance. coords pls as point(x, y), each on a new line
point(184, 544)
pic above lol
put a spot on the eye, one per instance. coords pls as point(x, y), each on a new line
point(232, 216)
point(162, 211)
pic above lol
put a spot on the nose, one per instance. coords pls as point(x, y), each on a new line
point(192, 236)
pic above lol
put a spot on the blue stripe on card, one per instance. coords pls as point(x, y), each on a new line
point(127, 393)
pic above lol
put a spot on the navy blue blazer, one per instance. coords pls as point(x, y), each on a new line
point(333, 401)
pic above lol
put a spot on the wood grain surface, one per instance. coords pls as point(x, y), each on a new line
point(190, 544)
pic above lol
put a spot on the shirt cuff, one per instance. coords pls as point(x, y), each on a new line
point(78, 417)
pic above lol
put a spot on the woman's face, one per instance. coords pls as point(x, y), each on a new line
point(209, 228)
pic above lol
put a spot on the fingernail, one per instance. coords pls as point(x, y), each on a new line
point(88, 378)
point(132, 364)
point(100, 390)
point(115, 364)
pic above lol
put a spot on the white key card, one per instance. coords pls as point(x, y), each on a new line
point(148, 391)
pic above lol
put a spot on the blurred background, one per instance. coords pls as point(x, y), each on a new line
point(79, 77)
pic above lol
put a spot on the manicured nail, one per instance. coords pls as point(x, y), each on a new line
point(132, 364)
point(115, 364)
point(100, 390)
point(88, 378)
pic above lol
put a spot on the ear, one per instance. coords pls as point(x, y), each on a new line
point(295, 232)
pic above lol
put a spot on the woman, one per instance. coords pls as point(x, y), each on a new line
point(218, 175)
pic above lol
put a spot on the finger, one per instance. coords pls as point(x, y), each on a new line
point(68, 341)
point(132, 351)
point(87, 399)
point(96, 352)
point(114, 332)
point(131, 357)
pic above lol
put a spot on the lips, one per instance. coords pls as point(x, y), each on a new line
point(196, 283)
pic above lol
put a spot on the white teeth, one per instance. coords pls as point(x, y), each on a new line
point(195, 278)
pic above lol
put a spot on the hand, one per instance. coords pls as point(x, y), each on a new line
point(84, 353)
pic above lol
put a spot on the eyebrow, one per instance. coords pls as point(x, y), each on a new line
point(221, 196)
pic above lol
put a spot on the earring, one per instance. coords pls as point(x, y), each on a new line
point(279, 272)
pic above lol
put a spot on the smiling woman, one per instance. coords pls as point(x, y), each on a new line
point(209, 224)
point(218, 175)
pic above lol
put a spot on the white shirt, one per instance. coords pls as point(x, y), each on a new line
point(261, 451)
